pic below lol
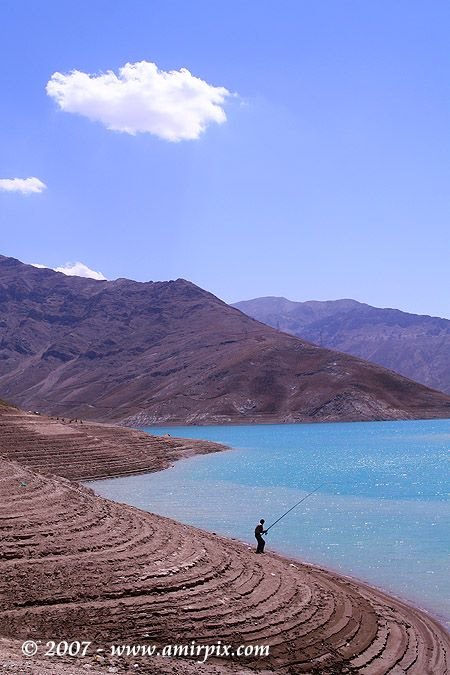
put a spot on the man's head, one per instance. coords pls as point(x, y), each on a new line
point(262, 521)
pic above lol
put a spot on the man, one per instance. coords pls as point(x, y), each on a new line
point(259, 531)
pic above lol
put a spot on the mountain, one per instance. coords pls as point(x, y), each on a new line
point(413, 345)
point(170, 352)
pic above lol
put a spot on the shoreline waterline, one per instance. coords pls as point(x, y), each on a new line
point(356, 505)
point(151, 572)
point(414, 605)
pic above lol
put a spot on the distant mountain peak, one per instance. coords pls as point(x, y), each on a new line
point(417, 346)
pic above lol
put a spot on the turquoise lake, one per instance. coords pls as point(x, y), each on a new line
point(382, 514)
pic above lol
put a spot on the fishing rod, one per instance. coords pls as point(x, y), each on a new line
point(295, 506)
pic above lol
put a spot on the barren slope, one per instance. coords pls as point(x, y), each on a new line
point(171, 352)
point(413, 345)
point(76, 565)
point(73, 564)
point(83, 451)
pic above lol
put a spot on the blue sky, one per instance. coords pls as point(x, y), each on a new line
point(315, 165)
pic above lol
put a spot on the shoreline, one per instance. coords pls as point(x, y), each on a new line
point(81, 450)
point(73, 559)
point(356, 580)
point(369, 587)
point(297, 603)
point(442, 621)
point(133, 424)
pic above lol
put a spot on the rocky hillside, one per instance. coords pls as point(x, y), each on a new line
point(413, 345)
point(161, 352)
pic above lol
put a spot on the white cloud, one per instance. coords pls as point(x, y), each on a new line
point(77, 269)
point(172, 105)
point(23, 185)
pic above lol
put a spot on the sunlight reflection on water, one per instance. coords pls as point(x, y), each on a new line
point(381, 516)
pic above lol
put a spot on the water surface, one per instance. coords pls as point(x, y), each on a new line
point(382, 513)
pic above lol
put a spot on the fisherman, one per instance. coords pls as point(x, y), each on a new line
point(259, 531)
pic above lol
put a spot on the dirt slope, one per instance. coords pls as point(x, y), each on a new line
point(83, 451)
point(73, 564)
point(172, 352)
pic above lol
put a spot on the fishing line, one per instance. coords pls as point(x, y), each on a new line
point(295, 505)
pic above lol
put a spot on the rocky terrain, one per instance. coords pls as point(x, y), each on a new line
point(413, 345)
point(75, 565)
point(170, 352)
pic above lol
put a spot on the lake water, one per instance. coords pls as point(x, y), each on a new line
point(381, 515)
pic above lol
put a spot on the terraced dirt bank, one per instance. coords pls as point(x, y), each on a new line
point(86, 450)
point(76, 566)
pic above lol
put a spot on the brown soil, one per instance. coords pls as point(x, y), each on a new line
point(170, 352)
point(84, 451)
point(76, 566)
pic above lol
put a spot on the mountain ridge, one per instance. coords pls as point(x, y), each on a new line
point(171, 352)
point(414, 345)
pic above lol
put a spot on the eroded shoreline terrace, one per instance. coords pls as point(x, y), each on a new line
point(75, 565)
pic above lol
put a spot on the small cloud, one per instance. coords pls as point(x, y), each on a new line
point(77, 269)
point(23, 185)
point(173, 105)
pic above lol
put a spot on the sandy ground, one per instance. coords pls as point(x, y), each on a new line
point(82, 450)
point(75, 566)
